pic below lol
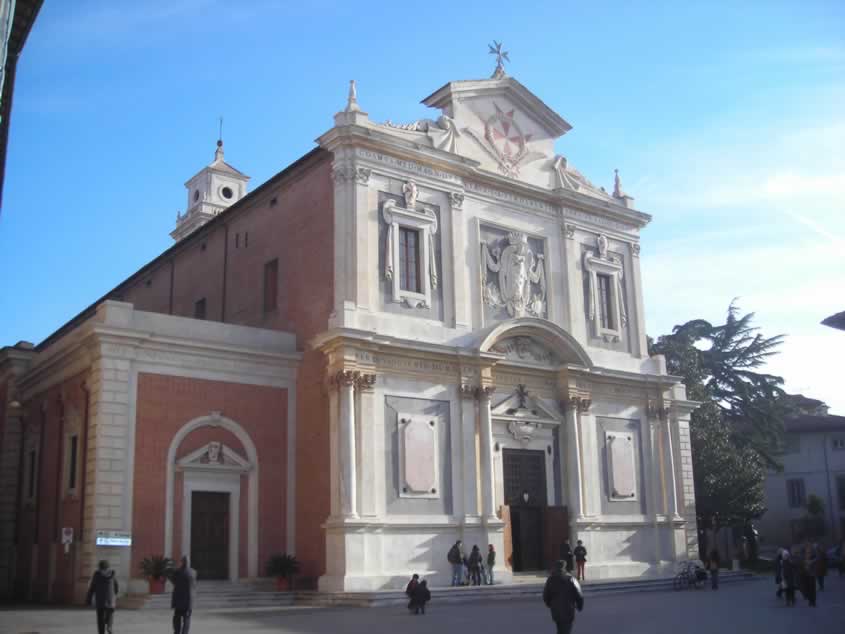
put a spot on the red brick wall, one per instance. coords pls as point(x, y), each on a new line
point(165, 404)
point(41, 522)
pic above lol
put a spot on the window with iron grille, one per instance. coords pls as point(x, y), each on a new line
point(796, 493)
point(409, 260)
point(73, 450)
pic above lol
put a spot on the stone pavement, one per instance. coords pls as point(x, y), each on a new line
point(745, 608)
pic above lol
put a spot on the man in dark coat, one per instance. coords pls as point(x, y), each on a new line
point(184, 582)
point(420, 597)
point(456, 561)
point(566, 554)
point(103, 589)
point(562, 595)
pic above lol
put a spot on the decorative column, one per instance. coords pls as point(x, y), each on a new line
point(486, 450)
point(573, 453)
point(368, 445)
point(345, 380)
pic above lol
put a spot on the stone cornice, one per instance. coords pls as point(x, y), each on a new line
point(458, 171)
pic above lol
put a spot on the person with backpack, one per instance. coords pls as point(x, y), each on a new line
point(474, 565)
point(409, 590)
point(103, 590)
point(456, 561)
point(580, 560)
point(420, 597)
point(562, 595)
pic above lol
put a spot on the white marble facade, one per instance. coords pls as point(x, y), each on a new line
point(523, 328)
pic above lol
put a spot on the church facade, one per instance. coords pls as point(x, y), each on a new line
point(417, 333)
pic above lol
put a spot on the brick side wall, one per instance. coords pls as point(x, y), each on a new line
point(165, 404)
point(45, 570)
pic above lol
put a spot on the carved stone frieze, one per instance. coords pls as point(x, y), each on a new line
point(525, 349)
point(522, 432)
point(405, 165)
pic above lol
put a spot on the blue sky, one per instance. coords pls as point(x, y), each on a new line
point(726, 121)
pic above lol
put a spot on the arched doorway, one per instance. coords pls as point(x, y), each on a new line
point(535, 445)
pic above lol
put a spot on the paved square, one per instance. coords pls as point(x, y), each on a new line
point(747, 607)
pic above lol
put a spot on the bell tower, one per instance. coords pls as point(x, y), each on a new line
point(210, 191)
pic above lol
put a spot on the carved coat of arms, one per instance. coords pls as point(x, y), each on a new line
point(505, 142)
point(519, 270)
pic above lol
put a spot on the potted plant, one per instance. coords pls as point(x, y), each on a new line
point(283, 567)
point(156, 568)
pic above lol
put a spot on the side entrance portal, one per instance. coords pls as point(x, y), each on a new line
point(210, 534)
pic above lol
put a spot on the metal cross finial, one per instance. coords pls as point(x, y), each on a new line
point(496, 49)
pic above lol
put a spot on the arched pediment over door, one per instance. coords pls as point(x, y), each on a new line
point(534, 341)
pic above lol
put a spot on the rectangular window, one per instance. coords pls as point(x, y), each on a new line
point(237, 240)
point(199, 309)
point(31, 483)
point(840, 493)
point(271, 285)
point(795, 493)
point(839, 444)
point(71, 460)
point(605, 303)
point(409, 260)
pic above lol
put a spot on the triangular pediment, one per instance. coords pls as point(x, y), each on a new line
point(507, 90)
point(522, 405)
point(214, 455)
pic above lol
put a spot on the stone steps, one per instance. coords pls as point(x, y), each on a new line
point(524, 589)
point(226, 596)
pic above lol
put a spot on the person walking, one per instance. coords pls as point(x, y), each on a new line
point(821, 565)
point(808, 576)
point(580, 559)
point(790, 577)
point(103, 589)
point(184, 581)
point(491, 562)
point(420, 597)
point(474, 565)
point(562, 595)
point(713, 564)
point(409, 590)
point(779, 572)
point(456, 561)
point(566, 554)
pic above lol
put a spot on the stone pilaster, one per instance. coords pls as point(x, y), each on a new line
point(370, 452)
point(469, 474)
point(486, 454)
point(108, 463)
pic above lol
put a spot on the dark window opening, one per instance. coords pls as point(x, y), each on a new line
point(199, 309)
point(71, 476)
point(202, 247)
point(149, 283)
point(196, 195)
point(227, 192)
point(31, 488)
point(271, 285)
point(605, 302)
point(840, 493)
point(409, 260)
point(237, 240)
point(796, 493)
point(273, 201)
point(246, 238)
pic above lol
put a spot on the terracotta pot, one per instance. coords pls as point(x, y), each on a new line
point(156, 585)
point(282, 584)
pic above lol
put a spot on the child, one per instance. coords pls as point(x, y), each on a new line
point(580, 560)
point(409, 590)
point(420, 597)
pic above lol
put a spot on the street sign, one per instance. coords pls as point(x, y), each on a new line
point(67, 535)
point(113, 538)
